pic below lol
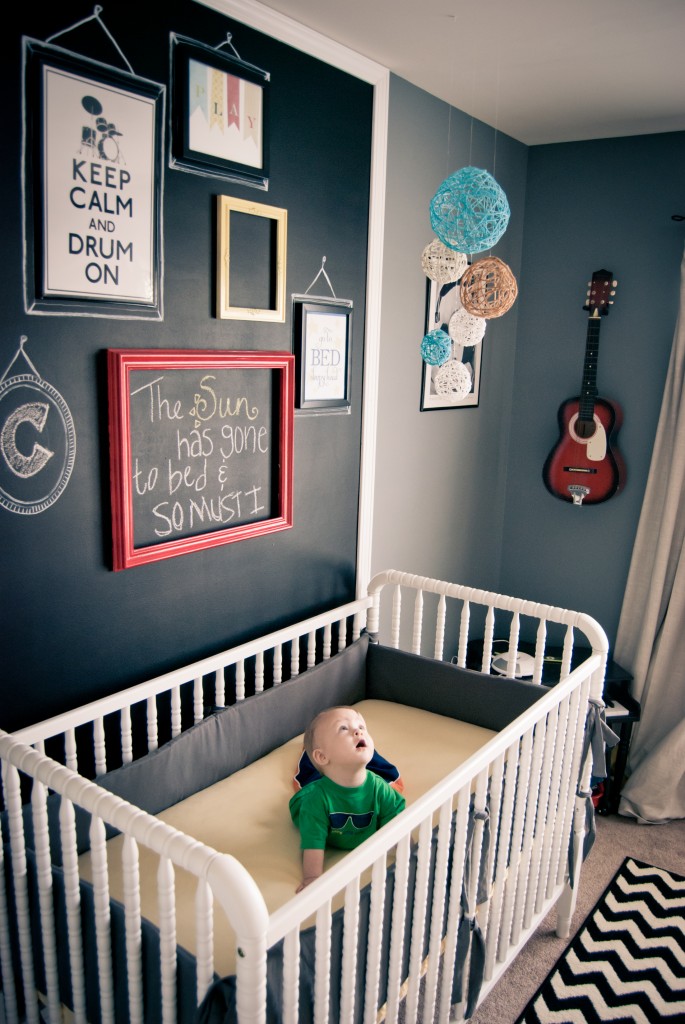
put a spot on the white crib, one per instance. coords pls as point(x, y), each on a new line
point(530, 781)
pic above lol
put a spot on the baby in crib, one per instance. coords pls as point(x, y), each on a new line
point(349, 802)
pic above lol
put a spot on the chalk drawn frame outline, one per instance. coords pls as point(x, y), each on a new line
point(38, 299)
point(306, 307)
point(182, 155)
point(36, 383)
point(121, 363)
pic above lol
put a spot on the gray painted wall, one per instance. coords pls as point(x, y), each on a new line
point(459, 493)
point(605, 203)
point(440, 475)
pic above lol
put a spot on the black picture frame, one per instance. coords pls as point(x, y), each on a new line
point(322, 331)
point(93, 144)
point(192, 144)
point(441, 302)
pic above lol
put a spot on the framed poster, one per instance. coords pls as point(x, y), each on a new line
point(252, 241)
point(201, 449)
point(442, 301)
point(93, 144)
point(322, 330)
point(219, 117)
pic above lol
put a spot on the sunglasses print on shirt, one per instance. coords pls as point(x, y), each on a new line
point(341, 821)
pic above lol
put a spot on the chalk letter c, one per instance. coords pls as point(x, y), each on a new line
point(35, 413)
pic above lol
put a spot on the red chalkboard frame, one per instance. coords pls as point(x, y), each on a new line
point(121, 363)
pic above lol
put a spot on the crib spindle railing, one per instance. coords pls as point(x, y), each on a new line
point(216, 874)
point(347, 622)
point(204, 923)
point(350, 951)
point(459, 608)
point(418, 623)
point(439, 647)
point(291, 977)
point(132, 919)
point(439, 896)
point(11, 787)
point(126, 730)
point(398, 924)
point(39, 796)
point(259, 672)
point(553, 772)
point(531, 820)
point(166, 889)
point(103, 917)
point(543, 812)
point(434, 898)
point(375, 939)
point(526, 864)
point(322, 981)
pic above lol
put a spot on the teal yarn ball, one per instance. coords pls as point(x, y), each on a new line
point(469, 212)
point(436, 348)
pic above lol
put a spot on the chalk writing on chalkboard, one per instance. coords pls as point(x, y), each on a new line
point(201, 449)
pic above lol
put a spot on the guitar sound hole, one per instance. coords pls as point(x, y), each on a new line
point(585, 428)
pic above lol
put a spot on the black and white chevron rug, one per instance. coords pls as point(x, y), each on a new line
point(627, 962)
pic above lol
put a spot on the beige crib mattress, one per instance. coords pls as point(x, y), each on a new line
point(247, 816)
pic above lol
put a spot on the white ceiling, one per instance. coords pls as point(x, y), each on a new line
point(538, 70)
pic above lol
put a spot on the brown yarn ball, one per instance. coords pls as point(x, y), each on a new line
point(488, 288)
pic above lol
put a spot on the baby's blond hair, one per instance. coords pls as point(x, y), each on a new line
point(310, 732)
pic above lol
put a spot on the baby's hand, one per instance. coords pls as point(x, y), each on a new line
point(305, 882)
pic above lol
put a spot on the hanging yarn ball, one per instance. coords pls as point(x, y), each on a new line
point(453, 380)
point(488, 289)
point(436, 348)
point(469, 212)
point(442, 264)
point(466, 329)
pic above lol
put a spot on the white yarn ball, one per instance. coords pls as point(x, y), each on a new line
point(465, 328)
point(453, 380)
point(441, 263)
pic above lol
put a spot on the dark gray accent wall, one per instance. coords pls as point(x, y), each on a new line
point(73, 630)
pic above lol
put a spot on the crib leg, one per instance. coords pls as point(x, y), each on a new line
point(565, 909)
point(567, 901)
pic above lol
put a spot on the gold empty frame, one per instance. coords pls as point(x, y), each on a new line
point(252, 266)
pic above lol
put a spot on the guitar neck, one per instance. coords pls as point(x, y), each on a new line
point(588, 391)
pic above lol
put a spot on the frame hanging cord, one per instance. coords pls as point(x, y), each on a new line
point(95, 16)
point(20, 352)
point(322, 271)
point(228, 41)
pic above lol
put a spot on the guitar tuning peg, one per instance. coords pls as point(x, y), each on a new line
point(614, 284)
point(612, 292)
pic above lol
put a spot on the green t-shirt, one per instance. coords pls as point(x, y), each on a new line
point(342, 816)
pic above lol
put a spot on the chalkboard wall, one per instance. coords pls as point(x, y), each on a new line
point(73, 629)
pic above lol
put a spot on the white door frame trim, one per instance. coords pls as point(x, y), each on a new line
point(278, 26)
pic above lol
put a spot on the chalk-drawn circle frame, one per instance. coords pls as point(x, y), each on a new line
point(28, 508)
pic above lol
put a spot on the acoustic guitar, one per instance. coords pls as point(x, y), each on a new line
point(585, 467)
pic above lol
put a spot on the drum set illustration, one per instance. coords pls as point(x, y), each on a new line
point(100, 136)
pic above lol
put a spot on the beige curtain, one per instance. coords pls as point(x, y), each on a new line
point(651, 634)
